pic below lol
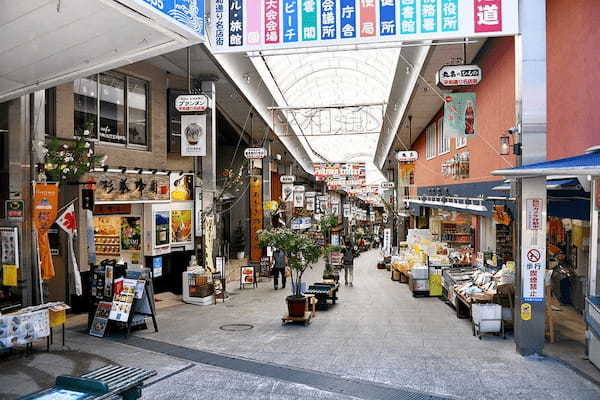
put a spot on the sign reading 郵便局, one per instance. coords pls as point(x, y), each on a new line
point(460, 115)
point(242, 26)
point(188, 13)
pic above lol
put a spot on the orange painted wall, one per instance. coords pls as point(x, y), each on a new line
point(495, 114)
point(573, 35)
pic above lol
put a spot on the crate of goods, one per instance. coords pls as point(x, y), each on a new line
point(420, 272)
point(488, 317)
point(395, 275)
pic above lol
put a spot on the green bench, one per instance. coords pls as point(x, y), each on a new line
point(108, 382)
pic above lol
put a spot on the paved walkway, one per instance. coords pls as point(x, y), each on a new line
point(377, 334)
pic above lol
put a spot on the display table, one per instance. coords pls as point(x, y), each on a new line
point(323, 292)
point(464, 304)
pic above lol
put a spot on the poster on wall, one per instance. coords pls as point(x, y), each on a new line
point(181, 226)
point(310, 204)
point(298, 199)
point(131, 234)
point(162, 227)
point(9, 240)
point(460, 115)
point(287, 192)
point(182, 187)
point(193, 135)
point(533, 274)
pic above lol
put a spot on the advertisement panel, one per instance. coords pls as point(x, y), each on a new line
point(242, 26)
point(460, 115)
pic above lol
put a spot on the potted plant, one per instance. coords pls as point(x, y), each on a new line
point(327, 223)
point(239, 241)
point(302, 251)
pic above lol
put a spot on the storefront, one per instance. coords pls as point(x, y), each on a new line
point(145, 218)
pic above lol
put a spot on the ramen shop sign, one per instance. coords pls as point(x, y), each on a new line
point(459, 75)
point(191, 103)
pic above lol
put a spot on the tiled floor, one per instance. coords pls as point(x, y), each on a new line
point(377, 333)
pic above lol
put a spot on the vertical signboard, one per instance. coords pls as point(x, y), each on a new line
point(368, 26)
point(256, 217)
point(253, 22)
point(387, 17)
point(328, 19)
point(236, 25)
point(347, 19)
point(290, 21)
point(255, 25)
point(271, 21)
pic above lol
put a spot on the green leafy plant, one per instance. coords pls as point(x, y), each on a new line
point(65, 163)
point(301, 250)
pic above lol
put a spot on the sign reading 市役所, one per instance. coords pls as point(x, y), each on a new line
point(240, 26)
point(189, 13)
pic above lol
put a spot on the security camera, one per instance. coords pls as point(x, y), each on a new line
point(513, 130)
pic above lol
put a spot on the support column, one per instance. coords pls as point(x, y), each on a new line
point(20, 187)
point(208, 164)
point(531, 98)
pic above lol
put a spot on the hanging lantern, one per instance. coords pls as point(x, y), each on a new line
point(504, 145)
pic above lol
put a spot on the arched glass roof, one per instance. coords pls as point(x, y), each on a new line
point(334, 79)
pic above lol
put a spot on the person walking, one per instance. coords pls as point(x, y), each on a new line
point(279, 263)
point(348, 261)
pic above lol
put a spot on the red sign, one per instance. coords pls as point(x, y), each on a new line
point(271, 21)
point(488, 16)
point(368, 24)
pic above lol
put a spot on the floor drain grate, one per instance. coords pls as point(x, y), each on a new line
point(236, 327)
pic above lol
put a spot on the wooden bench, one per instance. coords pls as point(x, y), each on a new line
point(101, 384)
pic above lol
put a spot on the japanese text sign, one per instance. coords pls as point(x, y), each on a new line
point(240, 26)
point(532, 274)
point(534, 214)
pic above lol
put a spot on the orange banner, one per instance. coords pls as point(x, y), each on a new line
point(45, 209)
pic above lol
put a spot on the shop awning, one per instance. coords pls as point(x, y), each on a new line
point(551, 184)
point(586, 164)
point(46, 43)
point(460, 204)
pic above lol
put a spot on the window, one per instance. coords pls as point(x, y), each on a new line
point(444, 142)
point(113, 107)
point(50, 112)
point(461, 141)
point(431, 150)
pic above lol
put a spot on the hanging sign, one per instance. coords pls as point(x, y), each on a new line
point(255, 153)
point(193, 135)
point(45, 208)
point(387, 185)
point(387, 241)
point(460, 115)
point(286, 179)
point(458, 75)
point(187, 13)
point(407, 156)
point(533, 273)
point(242, 26)
point(191, 103)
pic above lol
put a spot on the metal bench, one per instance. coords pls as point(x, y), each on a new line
point(108, 382)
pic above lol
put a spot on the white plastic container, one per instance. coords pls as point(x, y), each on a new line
point(488, 317)
point(420, 272)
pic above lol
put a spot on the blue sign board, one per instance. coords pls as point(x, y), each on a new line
point(348, 18)
point(290, 21)
point(428, 16)
point(328, 20)
point(189, 13)
point(387, 17)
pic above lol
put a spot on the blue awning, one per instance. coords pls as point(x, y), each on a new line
point(551, 184)
point(586, 164)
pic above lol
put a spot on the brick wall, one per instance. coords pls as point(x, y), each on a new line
point(495, 114)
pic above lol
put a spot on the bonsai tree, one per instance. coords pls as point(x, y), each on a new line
point(301, 250)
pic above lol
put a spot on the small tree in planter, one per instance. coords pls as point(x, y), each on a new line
point(302, 251)
point(327, 223)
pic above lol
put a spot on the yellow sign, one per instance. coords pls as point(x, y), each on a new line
point(9, 275)
point(526, 312)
